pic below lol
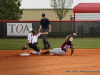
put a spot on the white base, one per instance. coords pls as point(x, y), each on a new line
point(25, 54)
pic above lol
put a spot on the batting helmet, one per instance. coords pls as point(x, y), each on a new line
point(71, 39)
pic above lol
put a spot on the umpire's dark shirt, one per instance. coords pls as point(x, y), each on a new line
point(45, 23)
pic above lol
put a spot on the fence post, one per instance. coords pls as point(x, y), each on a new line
point(60, 26)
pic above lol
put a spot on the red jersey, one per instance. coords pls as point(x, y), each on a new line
point(65, 46)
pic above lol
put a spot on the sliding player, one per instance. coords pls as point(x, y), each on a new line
point(63, 49)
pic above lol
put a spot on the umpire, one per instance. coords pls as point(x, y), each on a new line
point(46, 27)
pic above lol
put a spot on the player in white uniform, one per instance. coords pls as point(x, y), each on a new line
point(32, 41)
point(63, 49)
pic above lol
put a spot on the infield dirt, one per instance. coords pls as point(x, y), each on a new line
point(84, 62)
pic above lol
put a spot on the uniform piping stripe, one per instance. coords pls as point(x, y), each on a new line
point(37, 47)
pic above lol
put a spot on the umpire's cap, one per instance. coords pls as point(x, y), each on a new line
point(43, 15)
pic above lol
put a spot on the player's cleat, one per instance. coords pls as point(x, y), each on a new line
point(52, 54)
point(30, 52)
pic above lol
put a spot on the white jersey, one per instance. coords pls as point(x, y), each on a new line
point(33, 38)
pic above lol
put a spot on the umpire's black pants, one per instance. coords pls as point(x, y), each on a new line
point(34, 46)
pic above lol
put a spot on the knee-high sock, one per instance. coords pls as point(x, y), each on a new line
point(35, 52)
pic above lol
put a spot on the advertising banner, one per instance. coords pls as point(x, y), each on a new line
point(18, 29)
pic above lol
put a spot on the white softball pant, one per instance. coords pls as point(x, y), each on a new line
point(57, 51)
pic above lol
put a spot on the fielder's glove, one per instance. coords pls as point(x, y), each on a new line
point(23, 48)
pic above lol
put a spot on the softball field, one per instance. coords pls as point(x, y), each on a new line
point(84, 62)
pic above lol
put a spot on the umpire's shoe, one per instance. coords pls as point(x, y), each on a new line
point(48, 47)
point(45, 48)
point(48, 44)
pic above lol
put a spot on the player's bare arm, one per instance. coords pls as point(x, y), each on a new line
point(44, 33)
point(40, 28)
point(49, 28)
point(27, 43)
point(25, 47)
point(72, 50)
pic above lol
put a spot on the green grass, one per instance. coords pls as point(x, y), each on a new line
point(13, 44)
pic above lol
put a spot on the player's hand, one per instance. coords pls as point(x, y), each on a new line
point(46, 32)
point(49, 31)
point(24, 47)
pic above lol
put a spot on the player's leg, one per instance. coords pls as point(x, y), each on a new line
point(36, 48)
point(56, 51)
point(30, 45)
point(50, 51)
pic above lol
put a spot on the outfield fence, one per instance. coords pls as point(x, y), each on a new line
point(17, 28)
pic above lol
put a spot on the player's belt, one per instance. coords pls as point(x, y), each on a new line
point(45, 28)
point(63, 50)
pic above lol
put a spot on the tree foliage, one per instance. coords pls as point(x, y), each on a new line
point(9, 10)
point(61, 7)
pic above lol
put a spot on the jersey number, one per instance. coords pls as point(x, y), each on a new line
point(66, 47)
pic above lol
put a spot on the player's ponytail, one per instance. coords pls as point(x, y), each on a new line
point(68, 37)
point(34, 32)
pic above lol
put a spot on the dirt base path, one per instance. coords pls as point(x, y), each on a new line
point(84, 62)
